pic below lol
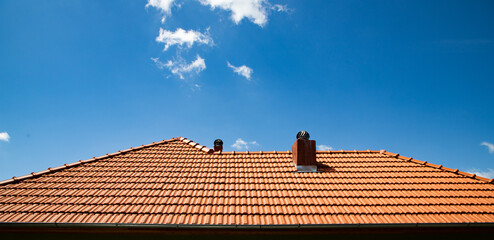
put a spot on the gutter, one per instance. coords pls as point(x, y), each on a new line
point(246, 227)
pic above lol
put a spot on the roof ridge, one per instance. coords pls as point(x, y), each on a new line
point(80, 162)
point(348, 151)
point(441, 167)
point(196, 145)
point(288, 151)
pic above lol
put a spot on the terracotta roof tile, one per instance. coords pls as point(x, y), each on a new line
point(178, 181)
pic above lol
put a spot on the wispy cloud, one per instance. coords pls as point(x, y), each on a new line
point(254, 10)
point(280, 8)
point(489, 146)
point(165, 7)
point(182, 37)
point(180, 67)
point(324, 147)
point(242, 70)
point(240, 144)
point(489, 173)
point(4, 136)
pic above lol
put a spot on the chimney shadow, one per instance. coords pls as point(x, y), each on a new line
point(321, 167)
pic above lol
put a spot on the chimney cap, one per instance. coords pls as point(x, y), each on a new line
point(303, 135)
point(218, 142)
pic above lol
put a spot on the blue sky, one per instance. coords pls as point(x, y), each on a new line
point(84, 78)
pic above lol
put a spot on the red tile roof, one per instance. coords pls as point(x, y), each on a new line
point(178, 181)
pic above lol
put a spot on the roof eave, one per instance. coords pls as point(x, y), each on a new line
point(287, 226)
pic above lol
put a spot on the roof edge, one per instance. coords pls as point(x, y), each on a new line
point(246, 226)
point(196, 145)
point(441, 167)
point(208, 150)
point(80, 162)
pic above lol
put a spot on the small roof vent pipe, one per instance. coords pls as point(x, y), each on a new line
point(304, 153)
point(218, 145)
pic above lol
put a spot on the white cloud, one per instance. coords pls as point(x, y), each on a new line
point(324, 147)
point(181, 37)
point(240, 144)
point(4, 136)
point(242, 70)
point(180, 67)
point(489, 146)
point(254, 10)
point(165, 6)
point(489, 173)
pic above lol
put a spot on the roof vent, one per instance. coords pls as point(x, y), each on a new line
point(303, 135)
point(218, 145)
point(304, 153)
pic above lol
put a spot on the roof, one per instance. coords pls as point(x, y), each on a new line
point(180, 182)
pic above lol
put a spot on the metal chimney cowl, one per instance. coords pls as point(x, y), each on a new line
point(303, 135)
point(304, 153)
point(218, 145)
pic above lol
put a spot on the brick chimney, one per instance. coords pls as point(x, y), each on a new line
point(304, 153)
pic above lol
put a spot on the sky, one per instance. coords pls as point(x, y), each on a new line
point(83, 78)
